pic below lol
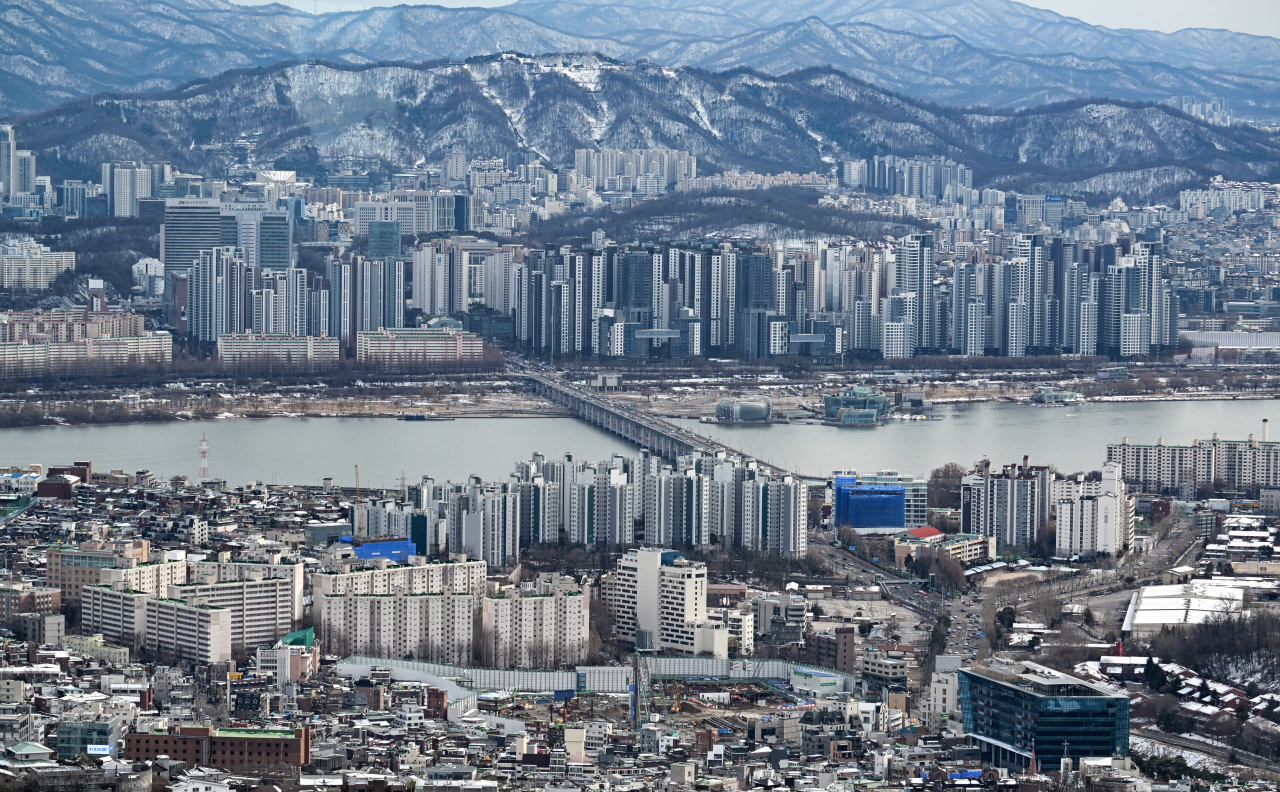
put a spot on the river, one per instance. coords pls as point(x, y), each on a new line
point(305, 450)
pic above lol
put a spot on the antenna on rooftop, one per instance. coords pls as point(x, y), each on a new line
point(204, 457)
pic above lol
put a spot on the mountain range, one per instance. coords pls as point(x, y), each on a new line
point(995, 53)
point(805, 120)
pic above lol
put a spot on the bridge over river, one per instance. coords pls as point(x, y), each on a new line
point(650, 431)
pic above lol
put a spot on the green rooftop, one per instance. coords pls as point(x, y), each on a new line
point(303, 638)
point(252, 733)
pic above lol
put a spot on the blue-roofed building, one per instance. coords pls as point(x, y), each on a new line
point(395, 550)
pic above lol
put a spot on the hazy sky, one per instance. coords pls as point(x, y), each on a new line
point(1260, 17)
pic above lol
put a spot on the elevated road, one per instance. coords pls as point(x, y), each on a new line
point(656, 434)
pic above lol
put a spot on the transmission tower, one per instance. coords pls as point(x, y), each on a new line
point(204, 457)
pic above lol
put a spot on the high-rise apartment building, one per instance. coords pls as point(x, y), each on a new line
point(436, 627)
point(1012, 505)
point(543, 625)
point(1093, 517)
point(124, 184)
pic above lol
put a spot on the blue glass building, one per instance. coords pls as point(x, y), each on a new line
point(1033, 708)
point(868, 505)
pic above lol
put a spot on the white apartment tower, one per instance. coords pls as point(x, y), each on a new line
point(676, 619)
point(1093, 516)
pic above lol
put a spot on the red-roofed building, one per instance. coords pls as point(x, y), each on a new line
point(926, 534)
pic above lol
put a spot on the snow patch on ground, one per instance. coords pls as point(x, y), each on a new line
point(1194, 759)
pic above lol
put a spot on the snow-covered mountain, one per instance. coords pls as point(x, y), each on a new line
point(553, 104)
point(55, 50)
point(998, 25)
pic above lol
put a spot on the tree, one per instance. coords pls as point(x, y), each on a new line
point(944, 486)
point(1156, 677)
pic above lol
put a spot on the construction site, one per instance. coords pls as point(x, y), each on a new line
point(679, 705)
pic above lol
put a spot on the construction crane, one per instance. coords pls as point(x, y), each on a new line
point(359, 513)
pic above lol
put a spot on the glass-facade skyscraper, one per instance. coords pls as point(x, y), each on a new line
point(1034, 708)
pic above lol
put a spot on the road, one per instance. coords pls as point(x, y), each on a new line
point(1241, 757)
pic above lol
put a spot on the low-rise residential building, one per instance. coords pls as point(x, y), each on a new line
point(96, 647)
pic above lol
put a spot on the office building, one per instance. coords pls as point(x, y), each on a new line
point(384, 239)
point(915, 494)
point(191, 225)
point(8, 153)
point(1030, 710)
point(91, 733)
point(24, 177)
point(676, 619)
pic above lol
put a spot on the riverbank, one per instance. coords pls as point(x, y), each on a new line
point(134, 409)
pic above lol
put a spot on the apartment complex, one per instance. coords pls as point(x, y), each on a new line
point(221, 569)
point(28, 266)
point(261, 611)
point(1011, 505)
point(1160, 468)
point(119, 615)
point(538, 626)
point(420, 577)
point(436, 626)
point(193, 633)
